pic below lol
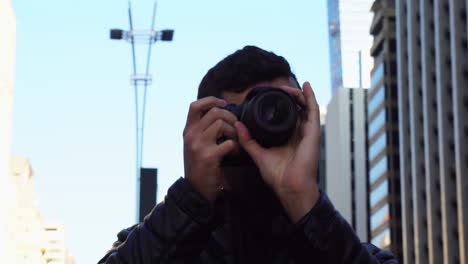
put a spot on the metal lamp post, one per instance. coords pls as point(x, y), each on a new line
point(139, 79)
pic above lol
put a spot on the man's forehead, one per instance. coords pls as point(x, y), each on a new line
point(238, 98)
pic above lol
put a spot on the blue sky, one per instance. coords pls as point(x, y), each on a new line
point(74, 106)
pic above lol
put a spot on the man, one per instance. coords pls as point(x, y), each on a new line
point(270, 211)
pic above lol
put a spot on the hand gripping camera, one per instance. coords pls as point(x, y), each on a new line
point(271, 116)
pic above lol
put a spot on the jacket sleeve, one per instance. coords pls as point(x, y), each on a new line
point(175, 231)
point(324, 236)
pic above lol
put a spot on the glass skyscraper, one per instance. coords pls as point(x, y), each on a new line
point(383, 143)
point(349, 43)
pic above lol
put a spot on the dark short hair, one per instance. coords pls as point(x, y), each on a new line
point(243, 68)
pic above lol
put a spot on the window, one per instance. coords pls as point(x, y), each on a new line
point(382, 240)
point(377, 146)
point(377, 75)
point(378, 169)
point(378, 98)
point(377, 123)
point(379, 193)
point(380, 217)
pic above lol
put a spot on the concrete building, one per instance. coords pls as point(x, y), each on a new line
point(346, 157)
point(349, 43)
point(322, 166)
point(22, 232)
point(55, 250)
point(25, 226)
point(432, 54)
point(7, 67)
point(383, 144)
point(29, 240)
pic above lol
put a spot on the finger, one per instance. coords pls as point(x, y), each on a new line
point(226, 147)
point(199, 107)
point(313, 112)
point(248, 143)
point(296, 93)
point(219, 129)
point(214, 114)
point(311, 124)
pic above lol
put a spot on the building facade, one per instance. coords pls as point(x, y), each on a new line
point(383, 143)
point(25, 229)
point(432, 54)
point(322, 166)
point(55, 250)
point(7, 66)
point(346, 157)
point(349, 43)
point(29, 239)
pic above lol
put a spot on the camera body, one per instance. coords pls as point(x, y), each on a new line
point(271, 116)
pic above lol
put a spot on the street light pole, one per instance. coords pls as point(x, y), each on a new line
point(148, 37)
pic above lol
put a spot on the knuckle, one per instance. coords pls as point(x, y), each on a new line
point(206, 156)
point(188, 138)
point(185, 132)
point(212, 113)
point(316, 111)
point(219, 124)
point(192, 148)
point(213, 99)
point(229, 144)
point(215, 111)
point(227, 130)
point(193, 106)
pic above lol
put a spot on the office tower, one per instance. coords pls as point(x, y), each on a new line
point(433, 129)
point(55, 250)
point(322, 166)
point(7, 66)
point(383, 144)
point(29, 240)
point(349, 43)
point(7, 75)
point(346, 156)
point(24, 230)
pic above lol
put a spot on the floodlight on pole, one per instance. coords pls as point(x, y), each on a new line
point(142, 36)
point(137, 79)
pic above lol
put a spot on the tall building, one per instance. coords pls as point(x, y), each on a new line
point(55, 250)
point(322, 166)
point(22, 232)
point(349, 43)
point(432, 54)
point(25, 227)
point(7, 66)
point(34, 241)
point(346, 156)
point(382, 113)
point(28, 239)
point(7, 75)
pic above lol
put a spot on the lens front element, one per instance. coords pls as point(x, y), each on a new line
point(273, 110)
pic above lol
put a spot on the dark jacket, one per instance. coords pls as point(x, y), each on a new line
point(185, 228)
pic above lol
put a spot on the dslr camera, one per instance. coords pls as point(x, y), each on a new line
point(271, 116)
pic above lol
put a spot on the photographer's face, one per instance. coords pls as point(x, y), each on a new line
point(246, 180)
point(238, 98)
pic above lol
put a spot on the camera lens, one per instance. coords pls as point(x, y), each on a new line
point(273, 110)
point(269, 113)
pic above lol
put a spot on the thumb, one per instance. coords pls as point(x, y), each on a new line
point(248, 143)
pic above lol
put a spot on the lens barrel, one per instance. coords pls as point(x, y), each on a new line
point(269, 113)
